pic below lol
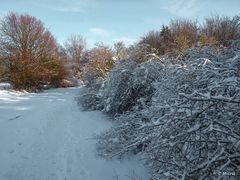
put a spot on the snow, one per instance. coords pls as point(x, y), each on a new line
point(5, 86)
point(45, 136)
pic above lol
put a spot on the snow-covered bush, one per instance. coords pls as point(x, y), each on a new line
point(142, 52)
point(116, 87)
point(191, 127)
point(198, 132)
point(4, 86)
point(234, 45)
point(129, 86)
point(90, 98)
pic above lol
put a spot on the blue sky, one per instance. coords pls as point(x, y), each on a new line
point(109, 21)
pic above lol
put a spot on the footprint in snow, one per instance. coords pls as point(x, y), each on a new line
point(16, 117)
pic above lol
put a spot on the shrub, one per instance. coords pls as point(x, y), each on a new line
point(210, 41)
point(142, 52)
point(133, 88)
point(160, 41)
point(99, 62)
point(185, 34)
point(153, 39)
point(91, 97)
point(190, 130)
point(222, 29)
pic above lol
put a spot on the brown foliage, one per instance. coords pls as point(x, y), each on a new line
point(180, 35)
point(101, 58)
point(153, 39)
point(205, 40)
point(159, 41)
point(29, 52)
point(184, 33)
point(222, 29)
point(100, 61)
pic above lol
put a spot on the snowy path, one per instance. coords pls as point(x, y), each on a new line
point(46, 137)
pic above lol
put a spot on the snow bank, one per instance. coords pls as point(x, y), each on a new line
point(8, 95)
point(4, 86)
point(11, 96)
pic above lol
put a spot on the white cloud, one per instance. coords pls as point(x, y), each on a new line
point(183, 7)
point(99, 31)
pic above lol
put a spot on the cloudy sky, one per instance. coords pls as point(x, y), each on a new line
point(109, 21)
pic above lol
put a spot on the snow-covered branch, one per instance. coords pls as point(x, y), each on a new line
point(184, 119)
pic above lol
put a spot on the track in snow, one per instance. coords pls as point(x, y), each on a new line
point(46, 137)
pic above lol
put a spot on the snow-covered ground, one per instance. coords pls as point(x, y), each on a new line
point(46, 137)
point(4, 86)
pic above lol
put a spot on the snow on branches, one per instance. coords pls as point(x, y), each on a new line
point(185, 119)
point(129, 86)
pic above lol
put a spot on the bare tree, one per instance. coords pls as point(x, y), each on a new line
point(101, 58)
point(222, 29)
point(75, 46)
point(28, 51)
point(153, 39)
point(120, 51)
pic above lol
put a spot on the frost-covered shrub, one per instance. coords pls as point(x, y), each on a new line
point(234, 45)
point(116, 87)
point(201, 52)
point(142, 52)
point(222, 28)
point(191, 127)
point(129, 86)
point(199, 128)
point(90, 98)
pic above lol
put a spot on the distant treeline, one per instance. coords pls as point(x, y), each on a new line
point(31, 58)
point(181, 34)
